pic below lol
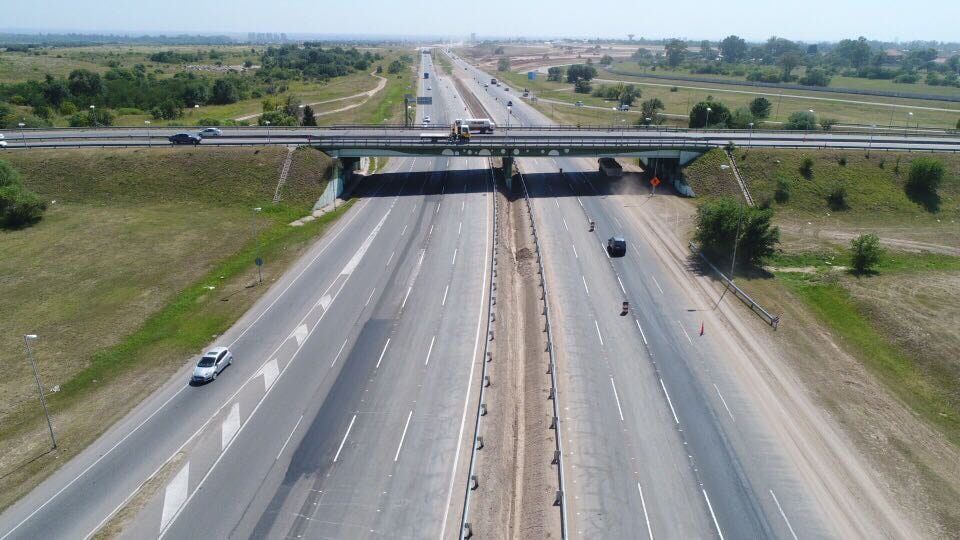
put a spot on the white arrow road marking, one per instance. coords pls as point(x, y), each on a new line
point(270, 373)
point(175, 495)
point(230, 426)
point(301, 334)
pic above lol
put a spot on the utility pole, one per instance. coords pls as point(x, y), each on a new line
point(259, 260)
point(36, 374)
point(733, 262)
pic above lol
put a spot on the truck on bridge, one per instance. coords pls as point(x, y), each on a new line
point(459, 133)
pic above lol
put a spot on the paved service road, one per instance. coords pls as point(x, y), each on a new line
point(662, 440)
point(345, 409)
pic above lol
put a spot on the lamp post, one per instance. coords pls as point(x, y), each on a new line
point(906, 123)
point(258, 260)
point(751, 134)
point(808, 126)
point(27, 338)
point(870, 143)
point(93, 114)
point(707, 123)
point(509, 114)
point(147, 123)
point(267, 122)
point(23, 138)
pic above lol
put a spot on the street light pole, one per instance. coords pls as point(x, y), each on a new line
point(906, 123)
point(93, 114)
point(808, 126)
point(27, 338)
point(267, 122)
point(23, 138)
point(706, 125)
point(751, 134)
point(147, 123)
point(259, 261)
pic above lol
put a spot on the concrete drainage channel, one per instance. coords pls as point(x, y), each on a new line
point(512, 482)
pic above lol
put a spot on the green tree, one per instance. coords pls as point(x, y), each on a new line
point(815, 77)
point(675, 50)
point(503, 64)
point(582, 86)
point(19, 207)
point(651, 109)
point(395, 67)
point(789, 61)
point(717, 116)
point(741, 118)
point(923, 181)
point(555, 74)
point(865, 253)
point(627, 93)
point(782, 193)
point(606, 60)
point(579, 72)
point(277, 118)
point(718, 222)
point(84, 83)
point(309, 119)
point(801, 120)
point(224, 92)
point(733, 49)
point(760, 108)
point(827, 123)
point(854, 53)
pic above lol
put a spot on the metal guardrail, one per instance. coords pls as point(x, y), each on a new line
point(554, 386)
point(772, 320)
point(465, 528)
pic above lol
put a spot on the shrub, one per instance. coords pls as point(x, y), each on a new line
point(801, 120)
point(837, 198)
point(782, 193)
point(827, 123)
point(67, 108)
point(718, 222)
point(925, 176)
point(866, 253)
point(18, 206)
point(674, 89)
point(806, 167)
point(842, 161)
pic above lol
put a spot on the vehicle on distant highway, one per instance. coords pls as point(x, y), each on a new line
point(578, 104)
point(479, 125)
point(185, 138)
point(610, 167)
point(3, 144)
point(210, 132)
point(211, 364)
point(623, 108)
point(426, 119)
point(616, 246)
point(494, 82)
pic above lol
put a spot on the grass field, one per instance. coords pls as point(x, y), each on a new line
point(143, 258)
point(871, 110)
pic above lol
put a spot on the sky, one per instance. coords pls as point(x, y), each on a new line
point(810, 20)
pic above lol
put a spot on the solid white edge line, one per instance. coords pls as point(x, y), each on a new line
point(466, 399)
point(402, 437)
point(595, 323)
point(724, 402)
point(616, 397)
point(290, 436)
point(404, 303)
point(339, 353)
point(385, 345)
point(643, 505)
point(783, 515)
point(712, 515)
point(644, 336)
point(344, 441)
point(669, 402)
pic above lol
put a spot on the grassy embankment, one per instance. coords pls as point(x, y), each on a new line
point(868, 312)
point(145, 257)
point(677, 104)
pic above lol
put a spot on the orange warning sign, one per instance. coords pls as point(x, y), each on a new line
point(655, 182)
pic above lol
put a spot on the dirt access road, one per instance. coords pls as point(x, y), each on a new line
point(381, 83)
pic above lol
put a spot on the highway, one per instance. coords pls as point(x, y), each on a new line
point(664, 439)
point(344, 411)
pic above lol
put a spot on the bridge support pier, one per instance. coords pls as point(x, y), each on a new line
point(507, 170)
point(341, 175)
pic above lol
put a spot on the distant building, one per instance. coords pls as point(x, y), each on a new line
point(473, 37)
point(266, 37)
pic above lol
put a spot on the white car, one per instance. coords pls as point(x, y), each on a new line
point(211, 364)
point(3, 144)
point(211, 132)
point(579, 104)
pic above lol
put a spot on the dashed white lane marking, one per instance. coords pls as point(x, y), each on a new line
point(624, 291)
point(438, 208)
point(644, 336)
point(579, 201)
point(712, 515)
point(270, 371)
point(724, 403)
point(657, 284)
point(585, 285)
point(175, 495)
point(783, 515)
point(365, 304)
point(643, 505)
point(454, 261)
point(556, 203)
point(459, 229)
point(565, 224)
point(445, 291)
point(230, 425)
point(385, 345)
point(575, 251)
point(595, 323)
point(290, 436)
point(422, 252)
point(616, 397)
point(404, 303)
point(392, 253)
point(462, 204)
point(300, 334)
point(404, 231)
point(344, 441)
point(430, 350)
point(669, 402)
point(618, 223)
point(402, 437)
point(337, 357)
point(684, 331)
point(431, 231)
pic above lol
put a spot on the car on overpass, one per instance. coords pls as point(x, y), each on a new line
point(185, 138)
point(211, 364)
point(210, 132)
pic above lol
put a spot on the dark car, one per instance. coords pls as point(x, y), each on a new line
point(616, 246)
point(185, 138)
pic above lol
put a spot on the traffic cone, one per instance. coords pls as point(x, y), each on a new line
point(701, 328)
